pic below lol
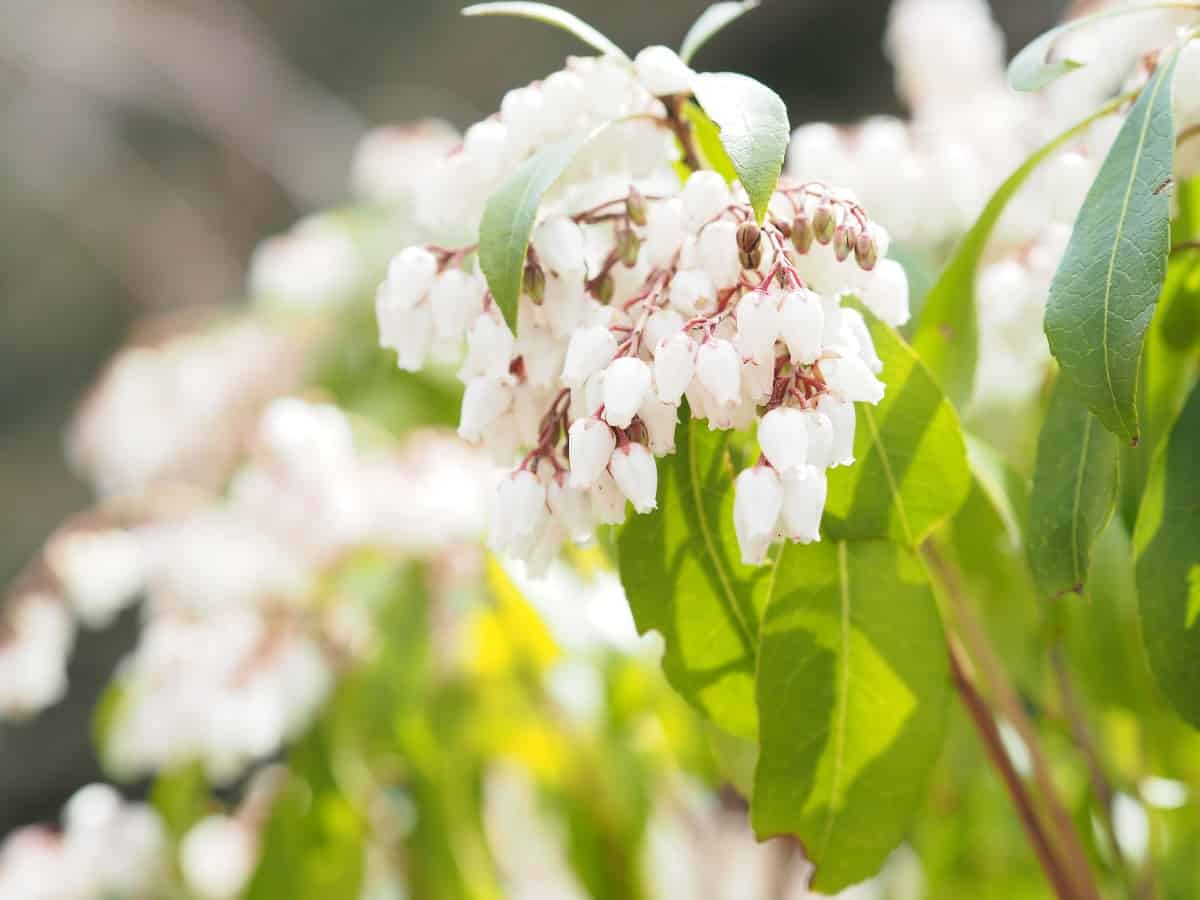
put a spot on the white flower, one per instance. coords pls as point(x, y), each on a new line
point(660, 420)
point(590, 350)
point(100, 571)
point(564, 95)
point(522, 110)
point(486, 147)
point(520, 514)
point(661, 324)
point(626, 382)
point(217, 856)
point(820, 438)
point(456, 298)
point(719, 370)
point(608, 502)
point(692, 291)
point(854, 327)
point(885, 292)
point(565, 303)
point(570, 506)
point(591, 443)
point(801, 324)
point(718, 251)
point(803, 503)
point(663, 232)
point(842, 418)
point(484, 401)
point(489, 348)
point(758, 326)
point(662, 71)
point(674, 366)
point(542, 353)
point(783, 437)
point(559, 245)
point(636, 474)
point(849, 377)
point(758, 379)
point(758, 499)
point(705, 196)
point(407, 331)
point(410, 276)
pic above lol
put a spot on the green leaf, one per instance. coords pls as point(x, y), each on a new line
point(1104, 292)
point(683, 577)
point(508, 221)
point(711, 21)
point(754, 130)
point(1003, 487)
point(911, 467)
point(1033, 69)
point(1167, 547)
point(181, 796)
point(947, 334)
point(708, 140)
point(551, 15)
point(1074, 492)
point(852, 688)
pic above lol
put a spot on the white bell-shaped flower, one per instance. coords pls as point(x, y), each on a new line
point(803, 504)
point(705, 196)
point(801, 325)
point(636, 474)
point(663, 232)
point(849, 377)
point(410, 276)
point(718, 251)
point(572, 508)
point(565, 304)
point(591, 443)
point(719, 370)
point(484, 401)
point(758, 325)
point(758, 379)
point(660, 420)
point(408, 331)
point(820, 438)
point(558, 241)
point(842, 418)
point(542, 353)
point(486, 148)
point(854, 327)
point(626, 382)
point(456, 298)
point(692, 292)
point(758, 500)
point(608, 502)
point(590, 351)
point(674, 366)
point(885, 292)
point(217, 856)
point(783, 437)
point(523, 497)
point(832, 334)
point(489, 348)
point(661, 324)
point(662, 72)
point(564, 96)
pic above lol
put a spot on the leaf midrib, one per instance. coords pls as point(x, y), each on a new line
point(839, 735)
point(1075, 552)
point(891, 477)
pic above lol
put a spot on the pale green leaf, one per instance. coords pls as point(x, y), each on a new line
point(1003, 487)
point(852, 688)
point(708, 141)
point(754, 130)
point(1074, 492)
point(947, 333)
point(911, 467)
point(1167, 547)
point(711, 21)
point(1104, 293)
point(508, 221)
point(683, 577)
point(551, 15)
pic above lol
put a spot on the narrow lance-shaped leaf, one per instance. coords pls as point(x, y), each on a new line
point(910, 470)
point(681, 569)
point(1034, 68)
point(1074, 492)
point(852, 690)
point(711, 21)
point(1167, 546)
point(1103, 296)
point(551, 15)
point(947, 335)
point(508, 221)
point(754, 130)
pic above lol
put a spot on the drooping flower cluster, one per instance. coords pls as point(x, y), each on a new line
point(639, 292)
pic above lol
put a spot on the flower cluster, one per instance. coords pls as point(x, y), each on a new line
point(639, 292)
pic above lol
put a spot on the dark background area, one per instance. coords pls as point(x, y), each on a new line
point(147, 145)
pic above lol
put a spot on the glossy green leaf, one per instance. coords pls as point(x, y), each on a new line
point(947, 333)
point(1104, 293)
point(683, 577)
point(852, 688)
point(1035, 66)
point(708, 140)
point(754, 130)
point(911, 468)
point(1074, 492)
point(1167, 546)
point(508, 221)
point(551, 15)
point(711, 21)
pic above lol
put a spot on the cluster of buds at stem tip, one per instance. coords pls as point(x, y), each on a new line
point(640, 293)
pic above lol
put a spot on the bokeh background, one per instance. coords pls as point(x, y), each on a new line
point(146, 146)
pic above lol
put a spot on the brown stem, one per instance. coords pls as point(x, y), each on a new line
point(683, 132)
point(989, 734)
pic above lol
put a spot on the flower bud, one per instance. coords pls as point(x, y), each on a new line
point(718, 251)
point(692, 292)
point(626, 383)
point(866, 253)
point(758, 500)
point(841, 416)
point(843, 243)
point(783, 437)
point(824, 223)
point(590, 350)
point(590, 445)
point(410, 275)
point(719, 370)
point(533, 282)
point(674, 366)
point(749, 242)
point(803, 504)
point(603, 288)
point(571, 507)
point(636, 208)
point(636, 474)
point(849, 378)
point(820, 438)
point(660, 420)
point(758, 325)
point(802, 232)
point(662, 72)
point(608, 503)
point(801, 324)
point(705, 196)
point(558, 241)
point(628, 245)
point(484, 401)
